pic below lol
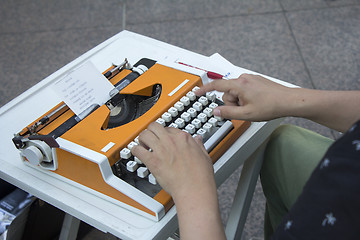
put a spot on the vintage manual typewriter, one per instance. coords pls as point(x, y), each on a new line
point(93, 152)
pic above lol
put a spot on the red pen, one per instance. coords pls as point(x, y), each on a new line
point(210, 74)
point(213, 75)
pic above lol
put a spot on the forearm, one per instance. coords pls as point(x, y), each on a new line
point(199, 216)
point(335, 109)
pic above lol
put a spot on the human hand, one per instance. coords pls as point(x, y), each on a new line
point(183, 168)
point(249, 97)
point(179, 162)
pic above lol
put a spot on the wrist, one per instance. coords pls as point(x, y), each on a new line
point(199, 216)
point(294, 103)
point(197, 197)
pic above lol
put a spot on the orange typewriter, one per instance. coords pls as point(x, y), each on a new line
point(93, 152)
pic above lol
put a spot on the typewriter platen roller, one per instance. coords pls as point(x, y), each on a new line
point(86, 152)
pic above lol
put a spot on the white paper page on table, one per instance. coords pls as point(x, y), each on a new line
point(237, 71)
point(215, 63)
point(83, 88)
point(224, 65)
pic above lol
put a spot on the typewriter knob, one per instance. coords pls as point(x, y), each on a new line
point(33, 155)
point(140, 69)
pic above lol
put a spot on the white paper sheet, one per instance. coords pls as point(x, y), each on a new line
point(83, 87)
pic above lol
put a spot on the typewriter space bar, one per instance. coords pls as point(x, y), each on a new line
point(218, 136)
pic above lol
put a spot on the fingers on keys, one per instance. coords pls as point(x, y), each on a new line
point(218, 85)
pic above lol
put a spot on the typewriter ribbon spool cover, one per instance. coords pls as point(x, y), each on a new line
point(86, 152)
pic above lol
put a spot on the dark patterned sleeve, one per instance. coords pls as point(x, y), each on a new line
point(329, 206)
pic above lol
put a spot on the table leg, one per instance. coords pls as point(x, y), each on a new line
point(69, 228)
point(244, 194)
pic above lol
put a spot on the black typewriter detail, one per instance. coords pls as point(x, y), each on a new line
point(129, 107)
point(142, 184)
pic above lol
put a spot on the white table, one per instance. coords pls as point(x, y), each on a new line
point(91, 209)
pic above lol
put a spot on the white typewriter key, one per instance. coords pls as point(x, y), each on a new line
point(180, 122)
point(142, 172)
point(202, 117)
point(185, 100)
point(197, 106)
point(207, 127)
point(131, 145)
point(125, 153)
point(161, 121)
point(173, 125)
point(185, 130)
point(137, 138)
point(208, 112)
point(219, 118)
point(196, 122)
point(191, 96)
point(152, 179)
point(173, 111)
point(203, 100)
point(195, 88)
point(179, 106)
point(186, 116)
point(192, 112)
point(213, 121)
point(190, 128)
point(211, 96)
point(136, 159)
point(131, 166)
point(201, 132)
point(213, 105)
point(166, 116)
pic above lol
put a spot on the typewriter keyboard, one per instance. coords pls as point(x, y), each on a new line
point(191, 114)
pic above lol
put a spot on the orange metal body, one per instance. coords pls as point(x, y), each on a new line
point(90, 132)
